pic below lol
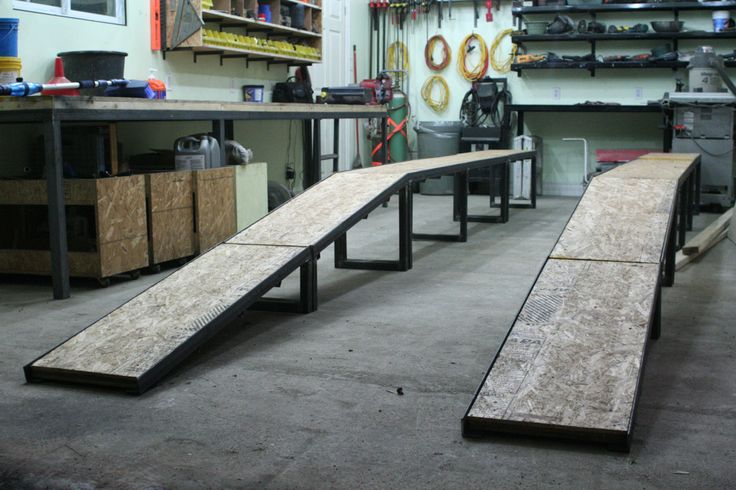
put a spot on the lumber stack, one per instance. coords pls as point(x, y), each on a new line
point(724, 226)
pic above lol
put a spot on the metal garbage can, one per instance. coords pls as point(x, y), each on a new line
point(438, 139)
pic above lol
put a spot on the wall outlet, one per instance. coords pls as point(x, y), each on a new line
point(556, 93)
point(639, 93)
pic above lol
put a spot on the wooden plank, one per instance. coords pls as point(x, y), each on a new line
point(670, 156)
point(702, 239)
point(425, 164)
point(309, 217)
point(38, 263)
point(77, 192)
point(133, 340)
point(215, 206)
point(143, 106)
point(619, 220)
point(572, 362)
point(681, 260)
point(651, 169)
point(170, 216)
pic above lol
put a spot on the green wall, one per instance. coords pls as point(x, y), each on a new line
point(562, 160)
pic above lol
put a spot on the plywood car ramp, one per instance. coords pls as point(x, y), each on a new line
point(134, 346)
point(572, 362)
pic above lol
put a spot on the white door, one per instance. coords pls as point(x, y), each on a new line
point(335, 71)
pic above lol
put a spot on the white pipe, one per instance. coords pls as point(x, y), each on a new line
point(585, 157)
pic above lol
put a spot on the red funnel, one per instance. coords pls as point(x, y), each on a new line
point(59, 78)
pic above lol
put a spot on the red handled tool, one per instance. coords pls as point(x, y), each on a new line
point(489, 14)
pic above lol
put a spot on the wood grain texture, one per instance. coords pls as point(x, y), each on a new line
point(215, 206)
point(573, 358)
point(77, 192)
point(140, 334)
point(38, 262)
point(179, 106)
point(670, 156)
point(623, 220)
point(309, 217)
point(651, 169)
point(415, 166)
point(170, 198)
point(128, 254)
point(121, 208)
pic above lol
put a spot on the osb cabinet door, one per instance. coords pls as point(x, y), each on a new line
point(121, 224)
point(170, 216)
point(215, 206)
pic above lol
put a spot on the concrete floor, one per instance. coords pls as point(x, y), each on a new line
point(289, 401)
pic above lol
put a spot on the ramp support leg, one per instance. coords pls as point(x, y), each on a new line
point(405, 250)
point(460, 205)
point(505, 196)
point(669, 260)
point(657, 317)
point(308, 298)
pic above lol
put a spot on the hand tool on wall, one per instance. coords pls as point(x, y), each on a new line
point(449, 9)
point(476, 13)
point(489, 14)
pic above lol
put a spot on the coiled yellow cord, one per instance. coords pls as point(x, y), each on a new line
point(502, 67)
point(393, 63)
point(437, 105)
point(476, 72)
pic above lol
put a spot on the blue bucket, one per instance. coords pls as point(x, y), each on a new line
point(9, 37)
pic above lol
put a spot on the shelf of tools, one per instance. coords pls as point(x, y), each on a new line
point(285, 32)
point(593, 31)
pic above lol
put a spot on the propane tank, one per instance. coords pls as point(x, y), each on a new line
point(196, 152)
point(703, 74)
point(398, 111)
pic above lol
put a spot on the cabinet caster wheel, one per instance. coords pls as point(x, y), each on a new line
point(154, 269)
point(182, 261)
point(135, 274)
point(104, 282)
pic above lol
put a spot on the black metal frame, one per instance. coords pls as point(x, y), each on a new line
point(460, 211)
point(62, 109)
point(308, 294)
point(152, 376)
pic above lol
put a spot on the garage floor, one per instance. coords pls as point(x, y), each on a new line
point(285, 401)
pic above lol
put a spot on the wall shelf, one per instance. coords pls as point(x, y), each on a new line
point(624, 7)
point(597, 65)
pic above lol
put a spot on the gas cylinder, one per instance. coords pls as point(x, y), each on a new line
point(398, 111)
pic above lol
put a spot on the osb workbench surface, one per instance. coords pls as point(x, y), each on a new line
point(309, 217)
point(623, 220)
point(573, 358)
point(129, 108)
point(136, 337)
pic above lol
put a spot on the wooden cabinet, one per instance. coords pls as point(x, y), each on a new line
point(106, 226)
point(232, 30)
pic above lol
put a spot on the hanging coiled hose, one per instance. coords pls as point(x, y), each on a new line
point(505, 66)
point(429, 53)
point(398, 59)
point(472, 43)
point(437, 105)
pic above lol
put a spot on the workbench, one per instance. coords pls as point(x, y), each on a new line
point(522, 109)
point(52, 112)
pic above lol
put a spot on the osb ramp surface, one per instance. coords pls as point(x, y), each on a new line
point(670, 156)
point(674, 169)
point(426, 164)
point(624, 220)
point(135, 338)
point(572, 361)
point(312, 215)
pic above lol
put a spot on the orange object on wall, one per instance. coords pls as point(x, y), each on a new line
point(155, 25)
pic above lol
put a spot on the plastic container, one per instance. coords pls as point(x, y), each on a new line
point(253, 93)
point(536, 27)
point(93, 65)
point(196, 152)
point(8, 38)
point(720, 20)
point(9, 69)
point(264, 12)
point(438, 139)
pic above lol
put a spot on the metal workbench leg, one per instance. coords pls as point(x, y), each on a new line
point(308, 297)
point(218, 130)
point(460, 212)
point(307, 151)
point(690, 195)
point(505, 193)
point(57, 214)
point(314, 167)
point(669, 259)
point(502, 217)
point(696, 209)
point(519, 123)
point(336, 146)
point(682, 222)
point(405, 249)
point(533, 190)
